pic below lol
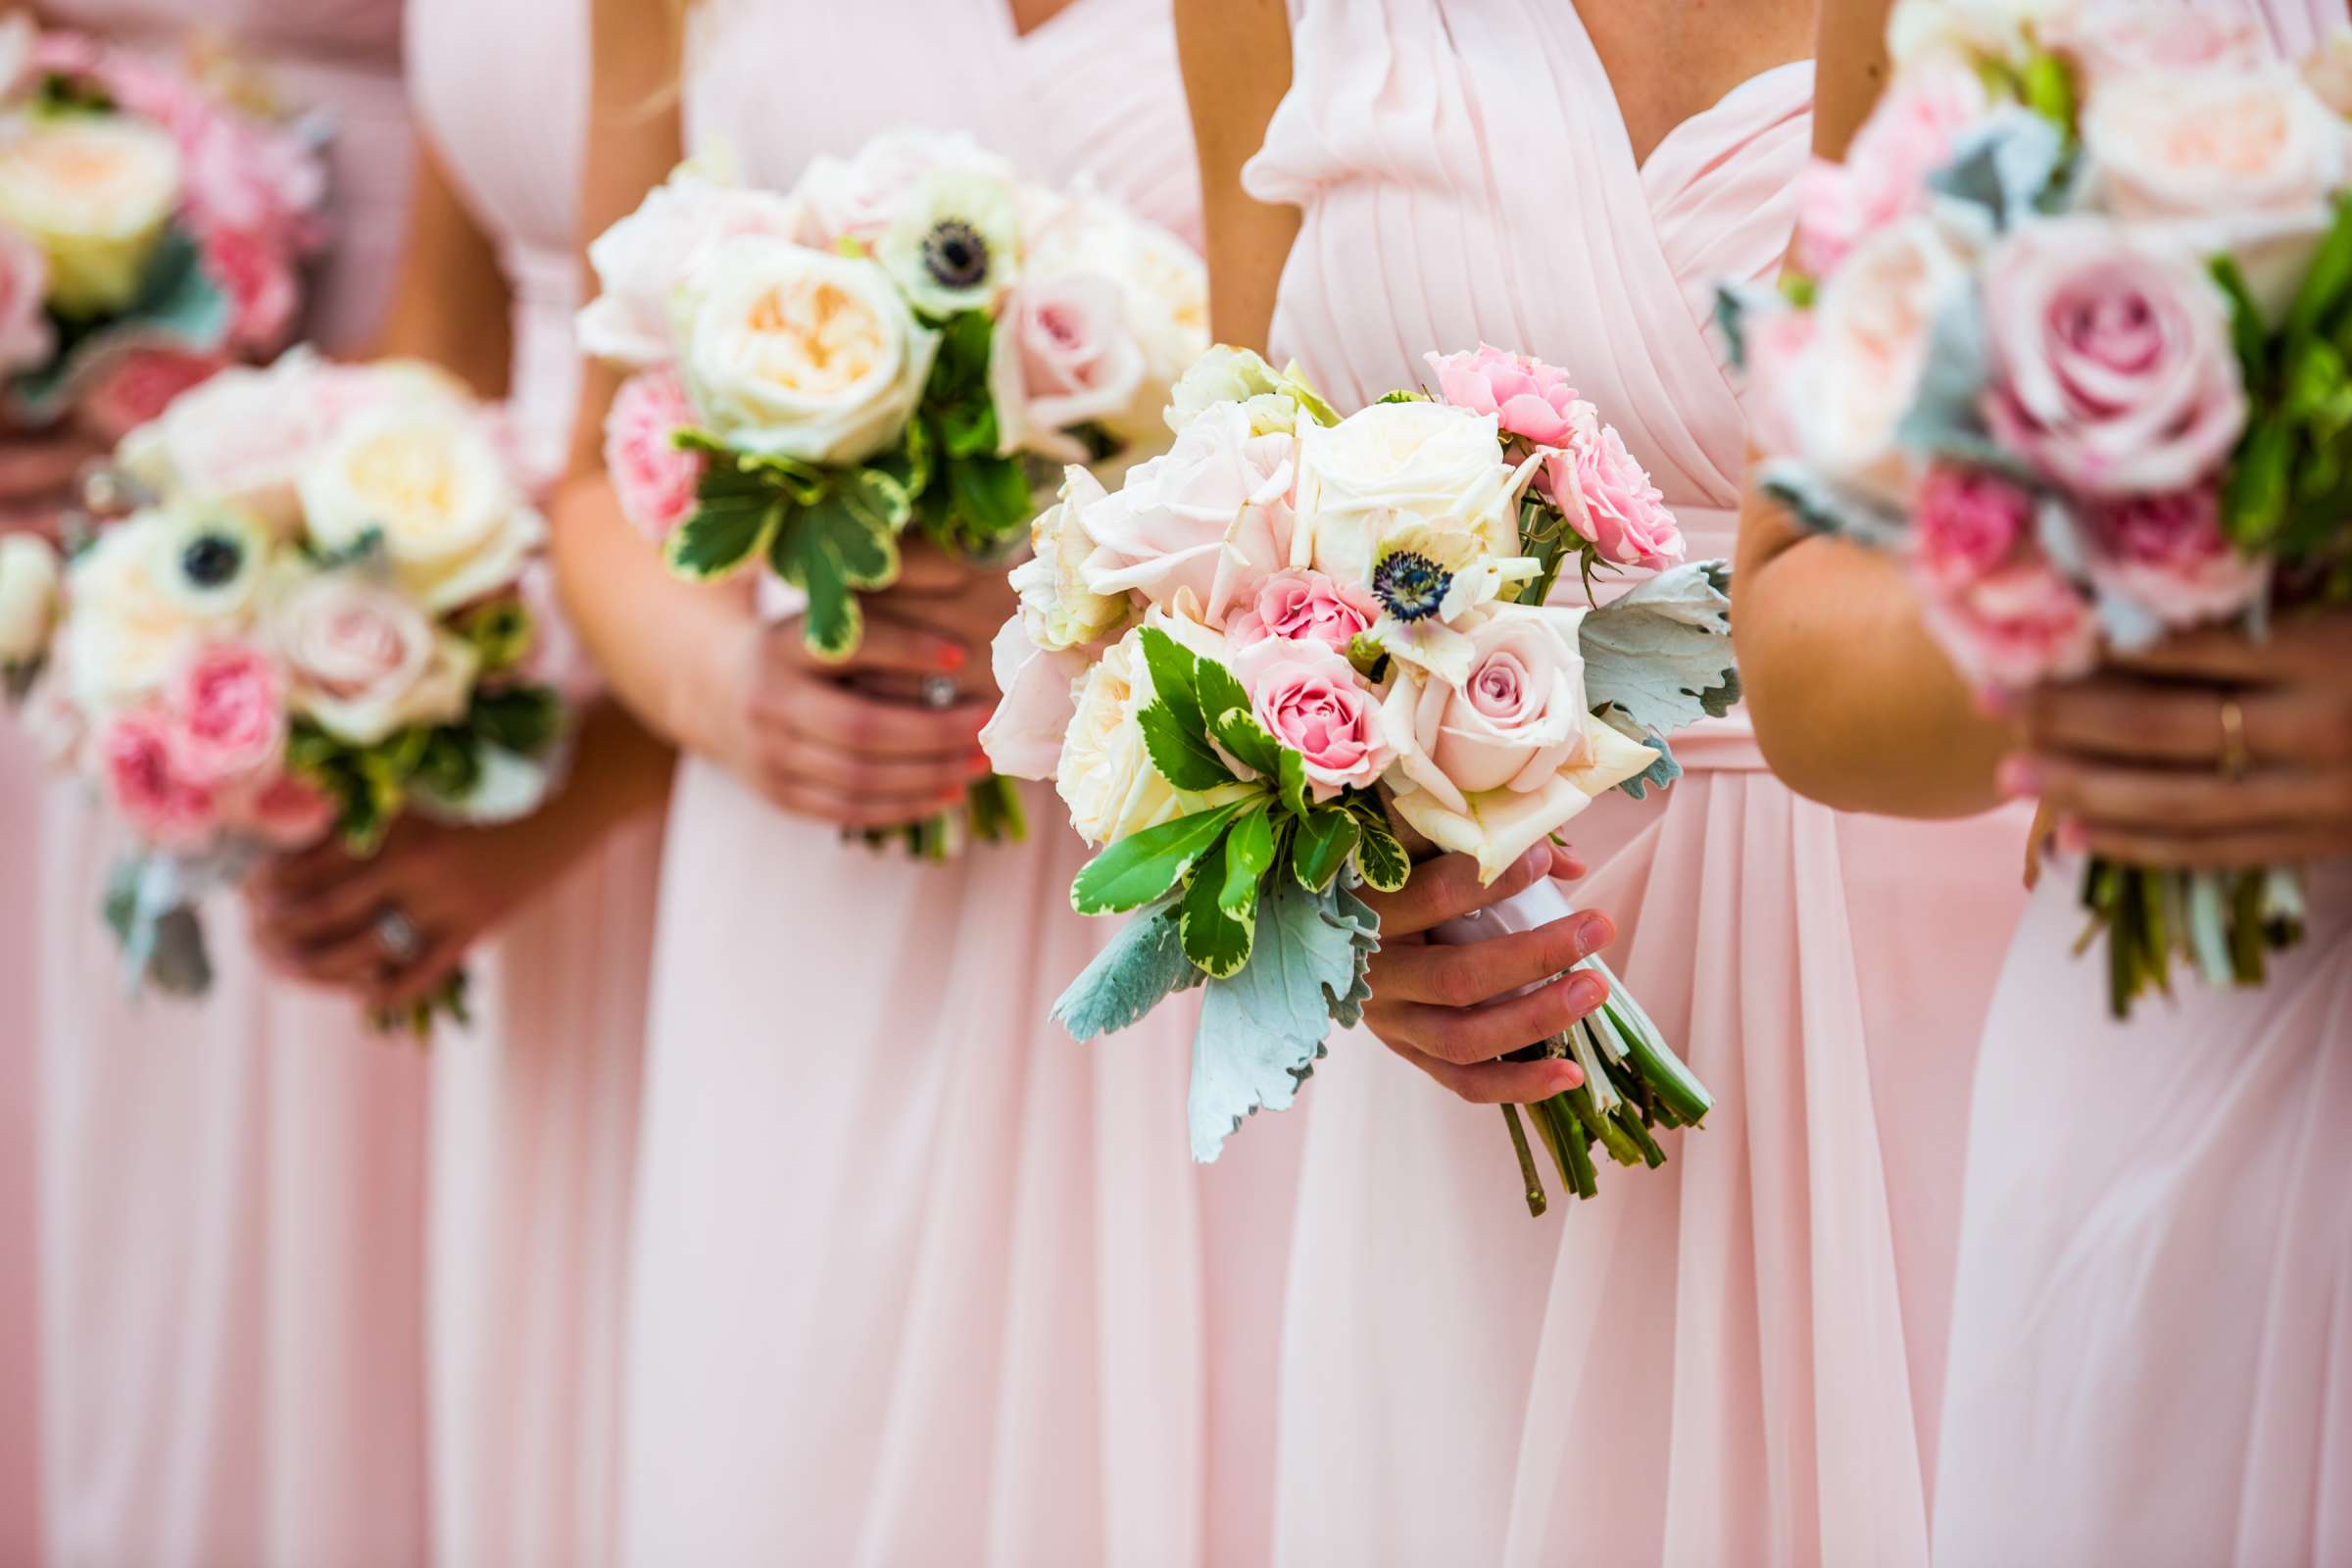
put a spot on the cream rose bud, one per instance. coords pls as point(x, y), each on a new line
point(1394, 465)
point(95, 192)
point(426, 477)
point(1057, 608)
point(1489, 764)
point(797, 354)
point(29, 581)
point(1106, 776)
point(364, 662)
point(1227, 375)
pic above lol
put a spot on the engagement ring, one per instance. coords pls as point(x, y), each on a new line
point(398, 936)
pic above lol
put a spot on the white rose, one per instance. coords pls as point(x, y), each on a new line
point(1850, 388)
point(642, 260)
point(424, 475)
point(2238, 162)
point(148, 587)
point(1105, 776)
point(95, 192)
point(29, 581)
point(242, 437)
point(1394, 464)
point(794, 353)
point(1057, 608)
point(954, 243)
point(363, 661)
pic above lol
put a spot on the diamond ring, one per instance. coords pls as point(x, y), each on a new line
point(398, 936)
point(940, 691)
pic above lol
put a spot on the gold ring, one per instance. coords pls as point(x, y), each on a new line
point(2237, 759)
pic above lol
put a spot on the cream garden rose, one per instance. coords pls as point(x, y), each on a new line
point(426, 477)
point(95, 192)
point(1394, 465)
point(29, 576)
point(1057, 608)
point(1106, 776)
point(242, 437)
point(794, 353)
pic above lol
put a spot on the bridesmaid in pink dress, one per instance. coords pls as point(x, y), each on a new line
point(232, 1253)
point(917, 1279)
point(1736, 1358)
point(2152, 1342)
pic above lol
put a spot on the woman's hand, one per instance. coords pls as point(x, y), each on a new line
point(822, 741)
point(1451, 1010)
point(2212, 750)
point(37, 474)
point(393, 928)
point(963, 602)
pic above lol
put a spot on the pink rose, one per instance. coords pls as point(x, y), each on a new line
point(2168, 555)
point(1884, 176)
point(289, 812)
point(1967, 524)
point(135, 755)
point(1310, 700)
point(365, 661)
point(1304, 605)
point(136, 385)
point(1207, 519)
point(654, 480)
point(26, 340)
point(259, 279)
point(2114, 372)
point(1063, 356)
point(2110, 38)
point(1529, 399)
point(252, 181)
point(2018, 626)
point(228, 715)
point(1608, 498)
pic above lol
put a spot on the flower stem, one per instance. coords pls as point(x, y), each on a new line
point(1529, 1176)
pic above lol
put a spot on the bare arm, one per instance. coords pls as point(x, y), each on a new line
point(1236, 56)
point(450, 303)
point(1853, 704)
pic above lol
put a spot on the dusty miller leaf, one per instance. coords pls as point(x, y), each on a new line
point(1663, 653)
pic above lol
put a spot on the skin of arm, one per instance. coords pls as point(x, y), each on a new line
point(1853, 705)
point(1235, 57)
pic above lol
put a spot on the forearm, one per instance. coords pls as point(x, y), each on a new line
point(1236, 56)
point(1853, 704)
point(451, 303)
point(619, 772)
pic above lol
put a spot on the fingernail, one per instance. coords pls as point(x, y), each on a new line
point(1536, 860)
point(1585, 993)
point(1568, 1075)
point(2017, 779)
point(980, 764)
point(1996, 702)
point(1593, 933)
point(2072, 837)
point(950, 657)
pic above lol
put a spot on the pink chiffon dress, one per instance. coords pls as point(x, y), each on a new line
point(534, 1107)
point(230, 1262)
point(915, 1278)
point(2151, 1353)
point(1736, 1358)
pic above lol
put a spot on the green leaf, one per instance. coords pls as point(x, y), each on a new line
point(2254, 498)
point(1291, 777)
point(1663, 652)
point(1326, 839)
point(1221, 694)
point(1140, 967)
point(909, 465)
point(1244, 738)
point(1182, 755)
point(2326, 282)
point(2047, 87)
point(831, 550)
point(1380, 857)
point(1217, 943)
point(1143, 866)
point(992, 500)
point(734, 520)
point(1248, 856)
point(1175, 680)
point(881, 498)
point(2247, 333)
point(969, 429)
point(520, 719)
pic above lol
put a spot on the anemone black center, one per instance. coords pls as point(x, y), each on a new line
point(955, 254)
point(212, 560)
point(1410, 585)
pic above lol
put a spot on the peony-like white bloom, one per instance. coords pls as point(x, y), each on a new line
point(363, 661)
point(954, 243)
point(95, 192)
point(1107, 777)
point(1394, 464)
point(644, 260)
point(1057, 608)
point(798, 354)
point(1194, 527)
point(242, 437)
point(424, 476)
point(29, 576)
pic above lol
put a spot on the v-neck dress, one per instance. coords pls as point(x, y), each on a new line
point(917, 1279)
point(1736, 1359)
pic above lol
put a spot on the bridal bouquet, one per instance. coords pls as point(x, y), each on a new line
point(1294, 632)
point(150, 228)
point(2072, 330)
point(891, 345)
point(313, 619)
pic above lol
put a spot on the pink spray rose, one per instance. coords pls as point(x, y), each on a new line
point(654, 481)
point(228, 715)
point(289, 812)
point(1303, 607)
point(259, 279)
point(1608, 498)
point(1310, 700)
point(1207, 519)
point(2018, 626)
point(167, 809)
point(2113, 369)
point(252, 180)
point(1062, 356)
point(1885, 175)
point(1967, 524)
point(1529, 399)
point(2168, 555)
point(26, 339)
point(135, 386)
